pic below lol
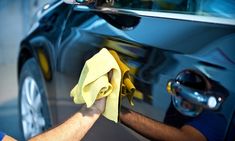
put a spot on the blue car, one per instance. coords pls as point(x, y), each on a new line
point(180, 53)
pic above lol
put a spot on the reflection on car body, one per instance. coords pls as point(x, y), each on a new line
point(155, 48)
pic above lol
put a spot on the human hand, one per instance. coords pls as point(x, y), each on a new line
point(99, 105)
point(97, 108)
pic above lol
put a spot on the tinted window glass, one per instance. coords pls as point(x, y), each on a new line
point(216, 8)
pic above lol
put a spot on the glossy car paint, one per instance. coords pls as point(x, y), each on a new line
point(156, 49)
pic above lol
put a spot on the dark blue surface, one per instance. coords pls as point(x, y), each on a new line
point(212, 125)
point(1, 135)
point(231, 131)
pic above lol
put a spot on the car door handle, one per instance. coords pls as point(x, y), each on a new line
point(205, 99)
point(184, 86)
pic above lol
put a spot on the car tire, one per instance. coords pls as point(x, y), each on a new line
point(33, 107)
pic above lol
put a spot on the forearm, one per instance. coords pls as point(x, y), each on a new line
point(8, 138)
point(74, 128)
point(145, 126)
point(158, 131)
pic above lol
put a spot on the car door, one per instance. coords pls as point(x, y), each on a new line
point(156, 46)
point(77, 45)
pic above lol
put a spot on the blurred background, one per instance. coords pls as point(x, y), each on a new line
point(11, 27)
point(15, 19)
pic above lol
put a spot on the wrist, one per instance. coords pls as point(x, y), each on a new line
point(90, 111)
point(96, 110)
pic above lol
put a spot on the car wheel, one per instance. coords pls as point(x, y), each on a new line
point(34, 113)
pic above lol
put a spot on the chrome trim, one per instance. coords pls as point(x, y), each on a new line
point(197, 97)
point(174, 16)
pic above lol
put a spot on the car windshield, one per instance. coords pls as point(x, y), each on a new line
point(215, 8)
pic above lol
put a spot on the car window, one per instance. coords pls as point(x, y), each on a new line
point(215, 8)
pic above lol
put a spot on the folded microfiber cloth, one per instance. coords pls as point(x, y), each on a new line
point(127, 87)
point(94, 83)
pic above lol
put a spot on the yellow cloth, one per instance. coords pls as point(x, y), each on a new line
point(127, 87)
point(94, 84)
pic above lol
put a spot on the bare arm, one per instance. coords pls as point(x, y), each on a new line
point(8, 138)
point(158, 131)
point(75, 127)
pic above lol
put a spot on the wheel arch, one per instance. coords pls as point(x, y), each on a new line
point(41, 49)
point(25, 53)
